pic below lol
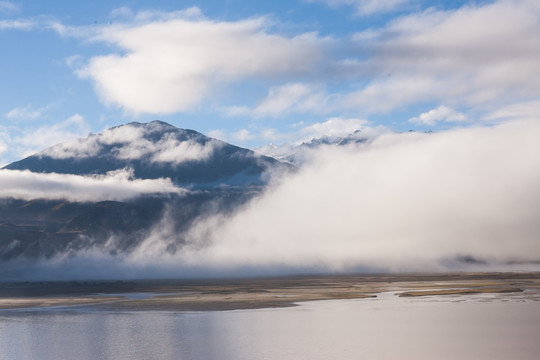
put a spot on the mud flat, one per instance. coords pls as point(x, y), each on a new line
point(252, 293)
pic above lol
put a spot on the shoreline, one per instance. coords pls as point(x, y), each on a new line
point(251, 293)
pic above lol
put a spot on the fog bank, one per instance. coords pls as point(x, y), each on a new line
point(465, 199)
point(404, 202)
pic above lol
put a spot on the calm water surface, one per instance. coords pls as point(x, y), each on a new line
point(490, 327)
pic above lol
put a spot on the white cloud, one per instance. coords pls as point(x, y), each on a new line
point(132, 142)
point(527, 110)
point(23, 113)
point(456, 57)
point(293, 97)
point(333, 127)
point(18, 24)
point(405, 202)
point(173, 151)
point(116, 185)
point(44, 23)
point(442, 113)
point(367, 7)
point(242, 135)
point(171, 64)
point(3, 148)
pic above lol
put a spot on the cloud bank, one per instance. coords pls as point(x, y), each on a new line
point(117, 186)
point(405, 202)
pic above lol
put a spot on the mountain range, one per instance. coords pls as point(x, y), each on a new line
point(298, 154)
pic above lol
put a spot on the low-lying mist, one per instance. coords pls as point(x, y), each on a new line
point(404, 202)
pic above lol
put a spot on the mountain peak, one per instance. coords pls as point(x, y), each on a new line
point(153, 150)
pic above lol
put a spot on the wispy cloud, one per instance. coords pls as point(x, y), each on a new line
point(367, 7)
point(293, 98)
point(7, 7)
point(24, 113)
point(523, 110)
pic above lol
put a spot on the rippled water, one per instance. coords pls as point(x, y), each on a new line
point(491, 327)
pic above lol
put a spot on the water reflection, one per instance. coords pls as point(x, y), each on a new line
point(385, 328)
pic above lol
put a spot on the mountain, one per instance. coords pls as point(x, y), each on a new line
point(219, 177)
point(156, 150)
point(299, 154)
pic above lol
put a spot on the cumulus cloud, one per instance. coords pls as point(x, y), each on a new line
point(169, 62)
point(135, 142)
point(452, 56)
point(405, 202)
point(166, 62)
point(117, 185)
point(442, 113)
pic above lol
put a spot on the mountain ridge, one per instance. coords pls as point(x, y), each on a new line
point(155, 150)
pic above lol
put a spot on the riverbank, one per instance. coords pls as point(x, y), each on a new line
point(252, 293)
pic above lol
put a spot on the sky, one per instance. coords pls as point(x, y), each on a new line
point(253, 73)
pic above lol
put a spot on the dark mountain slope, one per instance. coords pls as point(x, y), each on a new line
point(220, 178)
point(156, 150)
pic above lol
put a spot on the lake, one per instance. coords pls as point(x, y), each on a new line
point(490, 326)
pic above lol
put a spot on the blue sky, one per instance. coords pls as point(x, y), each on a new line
point(252, 73)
